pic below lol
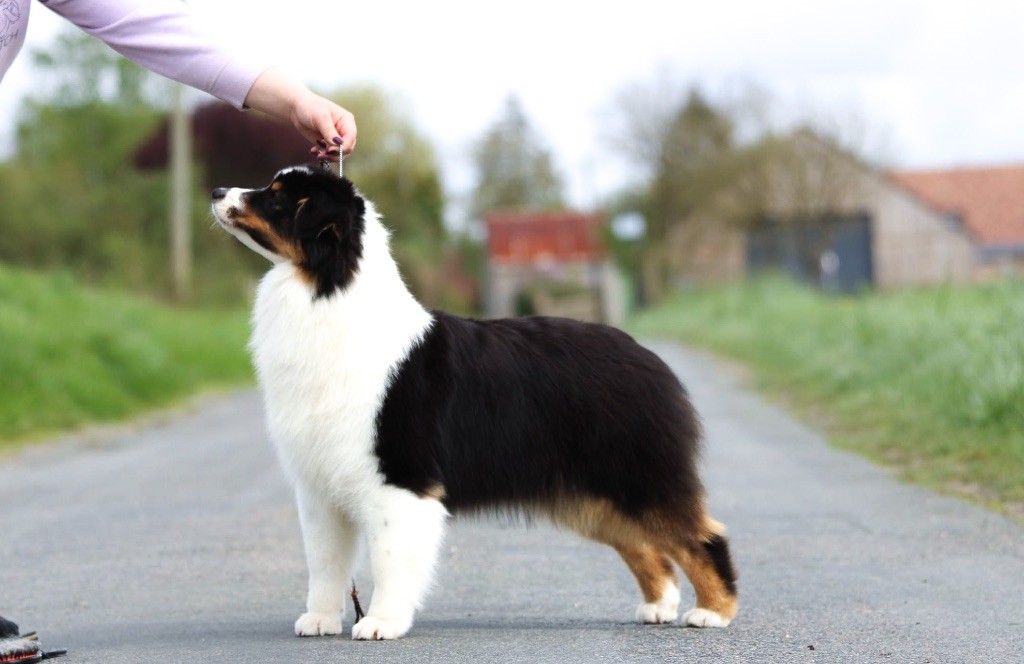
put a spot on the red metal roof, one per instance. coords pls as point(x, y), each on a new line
point(989, 200)
point(535, 237)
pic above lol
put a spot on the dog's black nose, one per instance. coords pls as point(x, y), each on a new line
point(219, 193)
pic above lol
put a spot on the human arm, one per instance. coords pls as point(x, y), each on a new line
point(162, 36)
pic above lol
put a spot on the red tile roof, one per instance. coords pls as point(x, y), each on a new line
point(535, 237)
point(989, 200)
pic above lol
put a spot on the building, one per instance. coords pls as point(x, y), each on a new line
point(551, 263)
point(987, 202)
point(832, 220)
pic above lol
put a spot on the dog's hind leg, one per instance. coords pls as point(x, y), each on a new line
point(656, 576)
point(602, 522)
point(404, 533)
point(707, 564)
point(330, 539)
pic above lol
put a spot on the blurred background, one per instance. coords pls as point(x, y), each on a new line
point(640, 164)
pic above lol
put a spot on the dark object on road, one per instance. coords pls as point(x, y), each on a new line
point(25, 648)
point(7, 629)
point(355, 602)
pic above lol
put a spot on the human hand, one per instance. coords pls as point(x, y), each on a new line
point(325, 123)
point(319, 120)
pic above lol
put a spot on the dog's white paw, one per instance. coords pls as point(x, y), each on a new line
point(654, 613)
point(378, 629)
point(704, 618)
point(318, 624)
point(665, 610)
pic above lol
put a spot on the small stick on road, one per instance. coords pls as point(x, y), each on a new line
point(355, 602)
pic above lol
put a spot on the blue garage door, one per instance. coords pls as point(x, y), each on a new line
point(833, 253)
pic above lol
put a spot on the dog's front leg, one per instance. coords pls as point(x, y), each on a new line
point(404, 533)
point(330, 539)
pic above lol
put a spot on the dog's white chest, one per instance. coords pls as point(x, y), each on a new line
point(324, 367)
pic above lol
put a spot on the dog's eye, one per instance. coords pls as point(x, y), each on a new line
point(278, 199)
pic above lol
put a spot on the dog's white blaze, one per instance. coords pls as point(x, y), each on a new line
point(324, 367)
point(293, 169)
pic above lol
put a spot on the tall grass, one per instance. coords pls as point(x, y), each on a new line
point(931, 380)
point(70, 355)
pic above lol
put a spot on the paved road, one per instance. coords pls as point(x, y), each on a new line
point(179, 543)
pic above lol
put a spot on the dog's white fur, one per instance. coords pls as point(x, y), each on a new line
point(324, 366)
point(665, 610)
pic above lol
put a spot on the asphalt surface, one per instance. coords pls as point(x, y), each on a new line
point(178, 542)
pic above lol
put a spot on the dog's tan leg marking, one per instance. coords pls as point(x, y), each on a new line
point(686, 535)
point(599, 520)
point(656, 576)
point(707, 565)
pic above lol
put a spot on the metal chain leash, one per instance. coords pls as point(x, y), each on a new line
point(327, 163)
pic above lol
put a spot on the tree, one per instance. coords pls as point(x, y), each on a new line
point(683, 144)
point(69, 200)
point(513, 167)
point(72, 200)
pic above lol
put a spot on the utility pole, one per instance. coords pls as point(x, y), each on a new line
point(181, 197)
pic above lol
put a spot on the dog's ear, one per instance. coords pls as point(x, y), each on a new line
point(319, 217)
point(329, 227)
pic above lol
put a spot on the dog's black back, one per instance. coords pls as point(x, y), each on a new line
point(509, 412)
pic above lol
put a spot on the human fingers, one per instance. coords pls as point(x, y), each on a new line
point(345, 125)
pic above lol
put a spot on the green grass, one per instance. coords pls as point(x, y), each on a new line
point(931, 381)
point(71, 355)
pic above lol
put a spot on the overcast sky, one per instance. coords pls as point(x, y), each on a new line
point(932, 84)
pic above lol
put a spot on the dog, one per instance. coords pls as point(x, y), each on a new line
point(388, 418)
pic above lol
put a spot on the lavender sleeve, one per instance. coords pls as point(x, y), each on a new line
point(161, 35)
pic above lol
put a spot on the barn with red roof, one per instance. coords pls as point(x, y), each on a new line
point(988, 202)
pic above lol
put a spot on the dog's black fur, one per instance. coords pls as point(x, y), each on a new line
point(506, 412)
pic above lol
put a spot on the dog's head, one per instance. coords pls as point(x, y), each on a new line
point(308, 217)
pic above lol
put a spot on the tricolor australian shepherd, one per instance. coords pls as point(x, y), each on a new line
point(388, 417)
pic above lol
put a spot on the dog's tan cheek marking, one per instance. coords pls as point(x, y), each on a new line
point(281, 247)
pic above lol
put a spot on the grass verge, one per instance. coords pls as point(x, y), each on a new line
point(71, 355)
point(930, 381)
